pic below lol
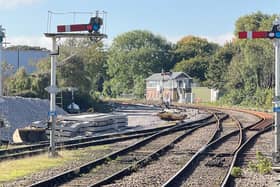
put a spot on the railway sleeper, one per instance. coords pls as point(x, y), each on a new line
point(217, 154)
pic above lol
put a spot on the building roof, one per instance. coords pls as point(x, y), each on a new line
point(172, 75)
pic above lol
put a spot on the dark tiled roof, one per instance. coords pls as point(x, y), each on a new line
point(173, 75)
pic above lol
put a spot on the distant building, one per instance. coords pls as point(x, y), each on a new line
point(23, 58)
point(169, 86)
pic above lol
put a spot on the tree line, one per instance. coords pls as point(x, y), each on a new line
point(241, 70)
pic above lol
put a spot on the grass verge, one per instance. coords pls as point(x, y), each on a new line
point(13, 169)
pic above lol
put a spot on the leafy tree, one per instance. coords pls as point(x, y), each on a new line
point(95, 57)
point(254, 22)
point(38, 84)
point(69, 72)
point(190, 46)
point(43, 66)
point(218, 67)
point(139, 87)
point(250, 69)
point(135, 54)
point(19, 81)
point(192, 56)
point(195, 67)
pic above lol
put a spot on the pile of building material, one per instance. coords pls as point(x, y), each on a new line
point(86, 124)
point(19, 112)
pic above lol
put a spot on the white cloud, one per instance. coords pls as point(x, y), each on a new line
point(174, 39)
point(220, 39)
point(31, 41)
point(6, 4)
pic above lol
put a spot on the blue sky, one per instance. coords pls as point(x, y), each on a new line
point(26, 20)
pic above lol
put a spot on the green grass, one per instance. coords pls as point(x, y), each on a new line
point(202, 94)
point(14, 169)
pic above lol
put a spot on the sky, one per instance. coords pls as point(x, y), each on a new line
point(26, 21)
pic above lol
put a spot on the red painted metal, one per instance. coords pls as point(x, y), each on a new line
point(61, 28)
point(260, 34)
point(255, 34)
point(242, 35)
point(72, 28)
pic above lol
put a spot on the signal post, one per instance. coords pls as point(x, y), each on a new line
point(67, 31)
point(275, 35)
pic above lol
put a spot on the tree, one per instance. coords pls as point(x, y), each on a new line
point(88, 63)
point(218, 67)
point(69, 72)
point(250, 72)
point(192, 56)
point(95, 57)
point(190, 46)
point(136, 54)
point(254, 22)
point(195, 67)
point(19, 82)
point(38, 84)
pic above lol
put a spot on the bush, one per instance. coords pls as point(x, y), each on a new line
point(26, 93)
point(236, 172)
point(262, 165)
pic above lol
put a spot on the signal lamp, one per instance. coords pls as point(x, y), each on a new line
point(95, 24)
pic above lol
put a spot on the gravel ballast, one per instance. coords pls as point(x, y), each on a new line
point(19, 112)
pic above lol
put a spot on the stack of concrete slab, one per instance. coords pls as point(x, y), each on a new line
point(87, 124)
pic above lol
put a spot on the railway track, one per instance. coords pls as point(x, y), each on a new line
point(173, 159)
point(128, 157)
point(208, 165)
point(36, 149)
point(139, 163)
point(211, 166)
point(252, 133)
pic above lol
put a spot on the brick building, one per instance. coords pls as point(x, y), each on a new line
point(169, 86)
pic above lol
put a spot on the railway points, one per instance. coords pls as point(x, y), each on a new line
point(123, 173)
point(140, 144)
